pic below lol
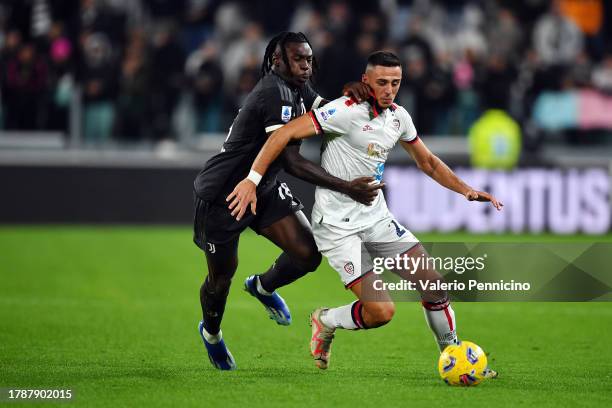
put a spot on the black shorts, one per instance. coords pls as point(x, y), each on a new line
point(213, 223)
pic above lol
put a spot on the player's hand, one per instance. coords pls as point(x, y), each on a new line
point(244, 194)
point(363, 190)
point(473, 195)
point(357, 90)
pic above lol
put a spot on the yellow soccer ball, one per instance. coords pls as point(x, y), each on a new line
point(462, 364)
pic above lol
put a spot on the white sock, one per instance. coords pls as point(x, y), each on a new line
point(260, 288)
point(212, 338)
point(442, 324)
point(340, 317)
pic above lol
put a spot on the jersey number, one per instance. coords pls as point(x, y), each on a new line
point(398, 230)
point(283, 191)
point(229, 133)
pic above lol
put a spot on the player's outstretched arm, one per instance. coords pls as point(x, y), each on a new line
point(360, 189)
point(244, 195)
point(435, 168)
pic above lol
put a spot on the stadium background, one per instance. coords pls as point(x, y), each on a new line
point(106, 99)
point(109, 108)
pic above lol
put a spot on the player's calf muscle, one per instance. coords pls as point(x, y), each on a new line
point(376, 314)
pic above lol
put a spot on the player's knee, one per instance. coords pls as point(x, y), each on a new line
point(379, 313)
point(219, 285)
point(309, 259)
point(314, 261)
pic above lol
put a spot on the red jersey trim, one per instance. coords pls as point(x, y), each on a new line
point(315, 122)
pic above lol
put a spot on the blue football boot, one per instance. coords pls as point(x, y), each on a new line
point(274, 303)
point(218, 354)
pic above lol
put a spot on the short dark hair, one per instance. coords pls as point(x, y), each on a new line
point(384, 58)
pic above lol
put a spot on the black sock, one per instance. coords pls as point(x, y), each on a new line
point(282, 273)
point(212, 300)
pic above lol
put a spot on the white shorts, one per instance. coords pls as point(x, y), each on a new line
point(345, 253)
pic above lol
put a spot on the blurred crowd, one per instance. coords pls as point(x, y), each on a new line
point(141, 66)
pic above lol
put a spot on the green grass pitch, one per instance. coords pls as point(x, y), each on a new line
point(111, 312)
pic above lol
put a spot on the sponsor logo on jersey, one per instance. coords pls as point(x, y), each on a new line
point(349, 268)
point(286, 113)
point(396, 124)
point(367, 128)
point(372, 149)
point(380, 169)
point(376, 150)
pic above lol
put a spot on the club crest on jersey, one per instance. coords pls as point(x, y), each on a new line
point(349, 268)
point(396, 124)
point(367, 128)
point(286, 113)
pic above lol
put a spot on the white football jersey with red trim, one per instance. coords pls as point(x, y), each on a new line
point(357, 140)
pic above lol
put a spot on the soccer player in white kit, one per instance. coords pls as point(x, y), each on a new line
point(358, 138)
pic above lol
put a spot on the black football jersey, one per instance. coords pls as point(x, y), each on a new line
point(271, 104)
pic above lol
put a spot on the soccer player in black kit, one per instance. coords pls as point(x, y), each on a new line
point(283, 93)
